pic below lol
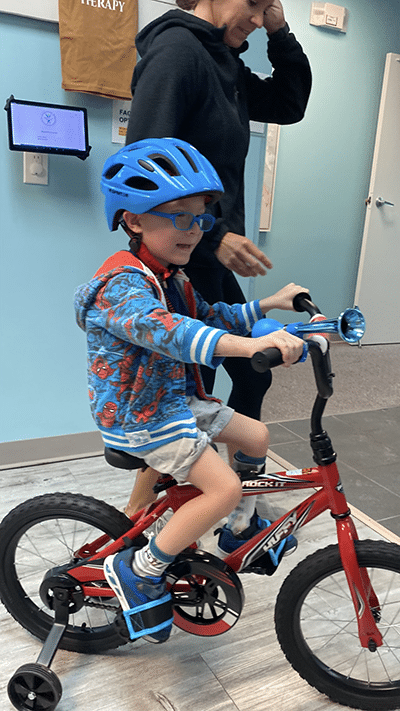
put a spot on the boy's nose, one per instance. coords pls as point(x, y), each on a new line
point(195, 228)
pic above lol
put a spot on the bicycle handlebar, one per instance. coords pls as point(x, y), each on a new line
point(350, 325)
point(272, 357)
point(265, 360)
point(302, 302)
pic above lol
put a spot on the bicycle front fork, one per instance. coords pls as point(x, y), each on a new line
point(366, 604)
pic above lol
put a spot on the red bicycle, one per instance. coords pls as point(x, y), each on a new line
point(337, 614)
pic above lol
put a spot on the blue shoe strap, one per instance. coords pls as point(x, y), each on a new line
point(148, 630)
point(274, 554)
point(147, 606)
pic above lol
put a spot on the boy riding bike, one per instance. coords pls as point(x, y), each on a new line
point(147, 333)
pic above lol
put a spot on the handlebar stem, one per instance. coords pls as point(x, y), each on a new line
point(322, 369)
point(321, 445)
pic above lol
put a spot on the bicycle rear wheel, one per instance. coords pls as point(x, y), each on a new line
point(43, 533)
point(317, 627)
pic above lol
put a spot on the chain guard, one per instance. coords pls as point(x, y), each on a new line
point(207, 596)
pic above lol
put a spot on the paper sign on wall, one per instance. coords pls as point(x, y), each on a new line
point(120, 118)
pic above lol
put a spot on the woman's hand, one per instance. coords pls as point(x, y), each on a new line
point(274, 18)
point(240, 255)
point(283, 299)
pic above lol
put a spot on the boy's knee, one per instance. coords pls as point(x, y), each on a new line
point(235, 492)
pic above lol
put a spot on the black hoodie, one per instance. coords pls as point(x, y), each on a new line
point(190, 85)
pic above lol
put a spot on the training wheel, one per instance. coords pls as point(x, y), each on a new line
point(34, 687)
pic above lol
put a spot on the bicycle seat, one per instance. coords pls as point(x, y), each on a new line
point(123, 460)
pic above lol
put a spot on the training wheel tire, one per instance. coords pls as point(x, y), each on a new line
point(34, 687)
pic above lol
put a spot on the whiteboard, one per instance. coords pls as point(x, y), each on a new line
point(38, 9)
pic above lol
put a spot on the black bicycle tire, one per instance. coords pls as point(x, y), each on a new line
point(47, 507)
point(308, 574)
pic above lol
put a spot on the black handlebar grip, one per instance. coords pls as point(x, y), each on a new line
point(302, 302)
point(264, 360)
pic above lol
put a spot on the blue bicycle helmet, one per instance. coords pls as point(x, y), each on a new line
point(145, 174)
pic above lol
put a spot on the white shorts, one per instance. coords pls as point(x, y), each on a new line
point(176, 458)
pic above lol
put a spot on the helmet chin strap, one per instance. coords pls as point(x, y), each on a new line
point(135, 239)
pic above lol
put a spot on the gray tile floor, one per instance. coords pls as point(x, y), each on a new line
point(243, 670)
point(368, 449)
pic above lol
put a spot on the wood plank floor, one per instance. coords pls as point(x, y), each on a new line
point(242, 670)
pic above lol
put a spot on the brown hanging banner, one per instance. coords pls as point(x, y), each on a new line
point(97, 40)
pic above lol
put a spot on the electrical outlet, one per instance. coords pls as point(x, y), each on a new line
point(36, 168)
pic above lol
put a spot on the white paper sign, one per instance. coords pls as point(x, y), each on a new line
point(120, 118)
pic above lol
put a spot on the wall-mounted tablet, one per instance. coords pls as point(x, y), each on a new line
point(47, 128)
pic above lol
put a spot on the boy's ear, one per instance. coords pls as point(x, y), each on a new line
point(132, 221)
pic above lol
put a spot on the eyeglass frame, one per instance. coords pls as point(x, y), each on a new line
point(195, 218)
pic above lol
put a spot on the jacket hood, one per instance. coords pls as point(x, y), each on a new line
point(86, 295)
point(122, 261)
point(211, 37)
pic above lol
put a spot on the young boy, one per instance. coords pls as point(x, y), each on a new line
point(147, 333)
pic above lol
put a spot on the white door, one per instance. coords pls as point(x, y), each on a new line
point(378, 282)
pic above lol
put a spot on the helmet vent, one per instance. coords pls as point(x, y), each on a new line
point(138, 183)
point(146, 165)
point(165, 164)
point(113, 170)
point(189, 159)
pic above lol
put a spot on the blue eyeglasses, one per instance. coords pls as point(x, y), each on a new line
point(185, 220)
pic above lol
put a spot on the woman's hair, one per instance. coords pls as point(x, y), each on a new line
point(186, 4)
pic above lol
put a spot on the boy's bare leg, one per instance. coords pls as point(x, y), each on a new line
point(221, 492)
point(142, 493)
point(232, 449)
point(246, 434)
point(220, 486)
point(236, 437)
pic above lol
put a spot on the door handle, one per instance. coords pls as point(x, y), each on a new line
point(380, 201)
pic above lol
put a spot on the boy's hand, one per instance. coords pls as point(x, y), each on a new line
point(290, 346)
point(240, 255)
point(283, 299)
point(274, 18)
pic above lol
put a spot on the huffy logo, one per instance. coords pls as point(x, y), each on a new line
point(113, 5)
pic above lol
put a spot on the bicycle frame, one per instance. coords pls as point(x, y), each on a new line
point(328, 494)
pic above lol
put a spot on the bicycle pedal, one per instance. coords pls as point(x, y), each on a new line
point(120, 626)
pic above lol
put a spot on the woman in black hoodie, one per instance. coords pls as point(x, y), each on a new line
point(190, 83)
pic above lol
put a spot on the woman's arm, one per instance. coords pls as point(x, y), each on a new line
point(281, 98)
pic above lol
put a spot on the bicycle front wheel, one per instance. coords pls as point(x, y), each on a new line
point(317, 627)
point(41, 534)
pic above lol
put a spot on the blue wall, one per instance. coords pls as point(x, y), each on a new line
point(324, 162)
point(54, 237)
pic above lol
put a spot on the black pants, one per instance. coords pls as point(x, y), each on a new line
point(248, 387)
